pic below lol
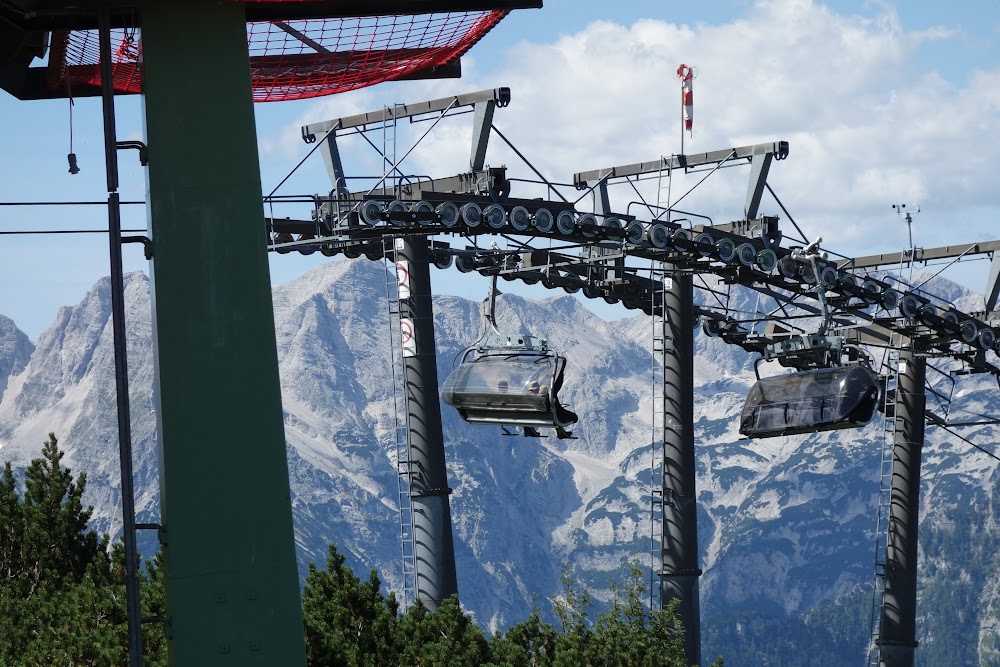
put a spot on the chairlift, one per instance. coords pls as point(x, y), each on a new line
point(822, 399)
point(509, 381)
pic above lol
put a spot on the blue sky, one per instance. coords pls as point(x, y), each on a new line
point(881, 102)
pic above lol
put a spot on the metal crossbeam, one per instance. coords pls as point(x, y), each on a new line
point(920, 255)
point(499, 95)
point(777, 148)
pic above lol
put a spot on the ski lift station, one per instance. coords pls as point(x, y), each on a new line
point(853, 338)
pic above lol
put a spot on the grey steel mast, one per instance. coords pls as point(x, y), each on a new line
point(679, 551)
point(427, 474)
point(899, 610)
point(433, 545)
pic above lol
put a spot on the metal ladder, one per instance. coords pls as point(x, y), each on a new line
point(658, 275)
point(400, 437)
point(890, 368)
point(656, 464)
point(663, 189)
point(400, 405)
point(389, 146)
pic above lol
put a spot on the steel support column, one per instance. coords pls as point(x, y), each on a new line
point(899, 611)
point(231, 579)
point(679, 556)
point(132, 603)
point(433, 546)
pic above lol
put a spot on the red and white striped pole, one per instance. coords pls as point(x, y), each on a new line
point(686, 75)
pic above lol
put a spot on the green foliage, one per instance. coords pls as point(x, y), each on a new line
point(628, 635)
point(62, 601)
point(531, 643)
point(447, 637)
point(347, 622)
point(62, 594)
point(350, 624)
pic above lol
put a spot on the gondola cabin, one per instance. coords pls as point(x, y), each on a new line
point(808, 401)
point(510, 385)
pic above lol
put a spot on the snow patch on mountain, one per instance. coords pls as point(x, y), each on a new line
point(784, 523)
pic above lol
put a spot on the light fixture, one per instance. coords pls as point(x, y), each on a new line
point(519, 218)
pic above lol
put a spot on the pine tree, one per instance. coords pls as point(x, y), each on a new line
point(574, 642)
point(11, 527)
point(153, 602)
point(62, 594)
point(348, 623)
point(630, 635)
point(531, 643)
point(56, 543)
point(447, 637)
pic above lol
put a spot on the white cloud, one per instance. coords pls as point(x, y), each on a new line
point(865, 130)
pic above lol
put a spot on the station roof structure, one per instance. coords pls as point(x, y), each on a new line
point(298, 48)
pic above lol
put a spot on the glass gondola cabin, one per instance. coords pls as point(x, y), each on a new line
point(504, 386)
point(805, 402)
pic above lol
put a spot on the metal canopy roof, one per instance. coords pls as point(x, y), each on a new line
point(62, 15)
point(302, 48)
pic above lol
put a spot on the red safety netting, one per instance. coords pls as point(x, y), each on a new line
point(292, 60)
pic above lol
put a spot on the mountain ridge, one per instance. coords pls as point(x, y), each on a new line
point(785, 524)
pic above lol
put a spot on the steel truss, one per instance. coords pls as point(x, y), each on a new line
point(621, 257)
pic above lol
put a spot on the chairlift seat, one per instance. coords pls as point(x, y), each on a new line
point(509, 386)
point(810, 401)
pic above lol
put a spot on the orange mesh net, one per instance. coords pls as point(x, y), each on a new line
point(292, 60)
